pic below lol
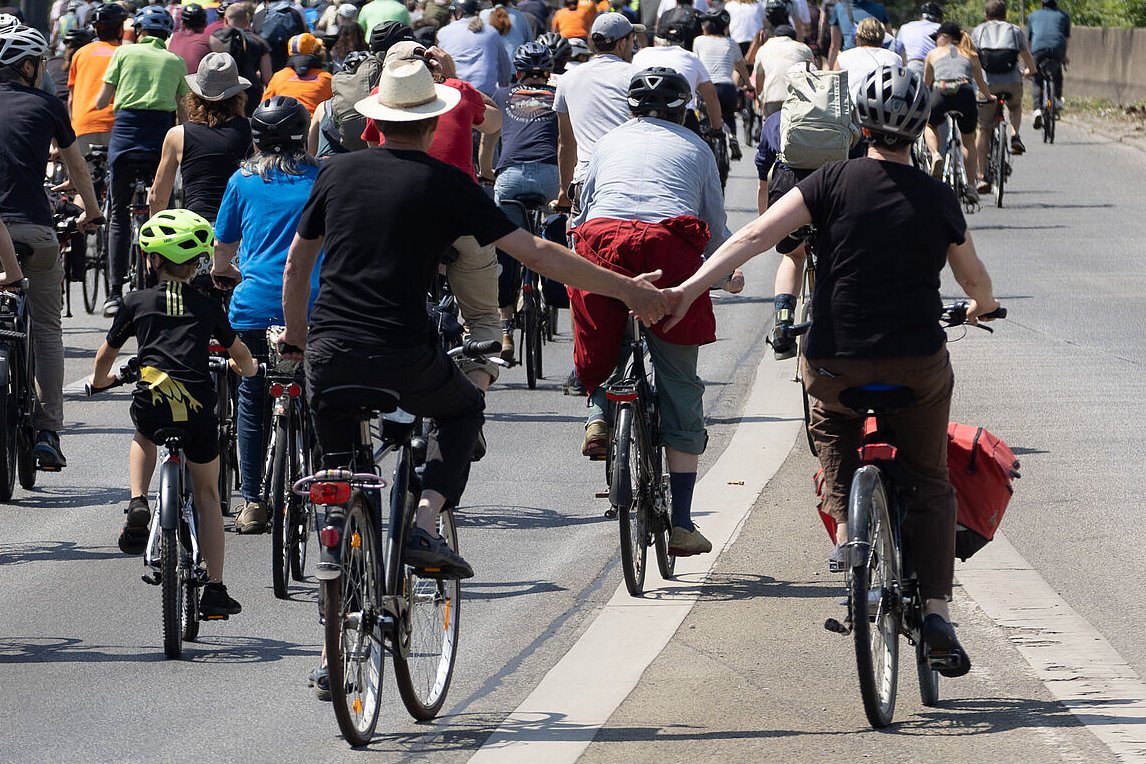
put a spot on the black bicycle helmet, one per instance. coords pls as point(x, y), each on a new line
point(893, 103)
point(776, 11)
point(78, 37)
point(558, 46)
point(384, 35)
point(154, 19)
point(193, 16)
point(533, 58)
point(932, 12)
point(354, 60)
point(279, 124)
point(108, 14)
point(721, 18)
point(660, 92)
point(677, 32)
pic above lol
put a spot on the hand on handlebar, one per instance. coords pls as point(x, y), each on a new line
point(977, 313)
point(291, 348)
point(89, 224)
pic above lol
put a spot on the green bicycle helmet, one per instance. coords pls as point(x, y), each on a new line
point(177, 235)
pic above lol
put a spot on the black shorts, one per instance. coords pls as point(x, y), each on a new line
point(962, 101)
point(784, 179)
point(200, 431)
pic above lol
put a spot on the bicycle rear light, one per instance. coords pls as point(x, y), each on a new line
point(329, 537)
point(621, 397)
point(330, 493)
point(275, 390)
point(293, 390)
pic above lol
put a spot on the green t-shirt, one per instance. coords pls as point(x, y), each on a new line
point(146, 76)
point(377, 11)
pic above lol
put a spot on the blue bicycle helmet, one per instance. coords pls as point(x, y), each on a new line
point(533, 58)
point(154, 19)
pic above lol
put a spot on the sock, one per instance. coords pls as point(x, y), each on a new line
point(682, 484)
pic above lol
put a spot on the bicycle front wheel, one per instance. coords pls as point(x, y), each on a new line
point(425, 667)
point(8, 419)
point(873, 590)
point(93, 269)
point(928, 678)
point(999, 163)
point(354, 650)
point(631, 514)
point(531, 338)
point(280, 512)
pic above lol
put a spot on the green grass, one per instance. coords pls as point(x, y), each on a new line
point(1097, 13)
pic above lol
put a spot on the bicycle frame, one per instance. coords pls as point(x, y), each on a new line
point(173, 516)
point(954, 169)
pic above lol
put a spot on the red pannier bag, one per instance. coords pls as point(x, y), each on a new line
point(981, 469)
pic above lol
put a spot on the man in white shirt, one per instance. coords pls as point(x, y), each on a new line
point(913, 41)
point(770, 72)
point(687, 64)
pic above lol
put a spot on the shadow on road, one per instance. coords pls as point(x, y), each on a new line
point(724, 587)
point(55, 551)
point(501, 517)
point(64, 498)
point(503, 589)
point(208, 649)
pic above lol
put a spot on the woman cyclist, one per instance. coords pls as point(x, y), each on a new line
point(953, 73)
point(350, 38)
point(257, 219)
point(722, 58)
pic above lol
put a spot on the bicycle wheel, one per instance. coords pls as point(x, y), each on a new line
point(626, 491)
point(301, 514)
point(928, 679)
point(530, 328)
point(806, 315)
point(190, 601)
point(354, 650)
point(92, 269)
point(998, 162)
point(25, 462)
point(433, 611)
point(25, 431)
point(280, 511)
point(873, 590)
point(8, 419)
point(662, 529)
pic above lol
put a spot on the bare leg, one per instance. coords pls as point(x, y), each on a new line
point(205, 485)
point(970, 157)
point(932, 139)
point(982, 145)
point(141, 465)
point(429, 507)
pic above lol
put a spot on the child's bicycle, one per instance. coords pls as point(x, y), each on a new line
point(173, 559)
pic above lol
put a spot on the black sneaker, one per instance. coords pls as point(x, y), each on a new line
point(319, 679)
point(133, 537)
point(945, 654)
point(573, 385)
point(433, 558)
point(216, 604)
point(47, 451)
point(480, 448)
point(1017, 146)
point(734, 147)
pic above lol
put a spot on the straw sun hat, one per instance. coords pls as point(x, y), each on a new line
point(407, 93)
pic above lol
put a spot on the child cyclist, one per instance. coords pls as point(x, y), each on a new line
point(174, 325)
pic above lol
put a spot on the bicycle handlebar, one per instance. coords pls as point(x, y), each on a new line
point(479, 351)
point(128, 373)
point(955, 314)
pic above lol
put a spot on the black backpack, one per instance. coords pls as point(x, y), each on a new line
point(280, 24)
point(235, 42)
point(685, 16)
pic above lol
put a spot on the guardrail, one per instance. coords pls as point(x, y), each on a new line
point(1107, 63)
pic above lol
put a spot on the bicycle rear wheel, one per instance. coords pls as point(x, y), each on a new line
point(301, 512)
point(354, 649)
point(627, 495)
point(998, 162)
point(8, 420)
point(873, 590)
point(280, 511)
point(531, 339)
point(93, 269)
point(25, 431)
point(426, 669)
point(190, 600)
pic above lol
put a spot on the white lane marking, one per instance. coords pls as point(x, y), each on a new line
point(1075, 662)
point(574, 700)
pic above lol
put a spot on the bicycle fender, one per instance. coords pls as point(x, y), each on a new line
point(169, 498)
point(621, 491)
point(866, 481)
point(4, 366)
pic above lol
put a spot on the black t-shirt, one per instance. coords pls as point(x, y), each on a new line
point(31, 119)
point(883, 230)
point(529, 130)
point(210, 157)
point(174, 325)
point(388, 217)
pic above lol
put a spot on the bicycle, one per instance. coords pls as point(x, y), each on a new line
point(287, 460)
point(749, 117)
point(226, 407)
point(954, 171)
point(638, 484)
point(804, 310)
point(717, 140)
point(17, 390)
point(998, 168)
point(372, 602)
point(1048, 69)
point(533, 314)
point(883, 600)
point(172, 557)
point(95, 251)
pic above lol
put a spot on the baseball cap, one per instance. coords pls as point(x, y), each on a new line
point(610, 27)
point(949, 28)
point(785, 30)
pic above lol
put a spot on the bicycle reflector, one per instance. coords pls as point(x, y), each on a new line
point(330, 493)
point(621, 396)
point(277, 390)
point(329, 537)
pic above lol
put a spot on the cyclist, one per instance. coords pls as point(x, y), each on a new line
point(146, 82)
point(572, 21)
point(651, 200)
point(1001, 46)
point(770, 70)
point(303, 78)
point(913, 40)
point(683, 17)
point(561, 50)
point(953, 72)
point(251, 52)
point(476, 48)
point(192, 41)
point(885, 231)
point(85, 78)
point(670, 53)
point(844, 19)
point(32, 120)
point(867, 55)
point(1048, 30)
point(57, 67)
point(725, 65)
point(377, 213)
point(257, 219)
point(528, 163)
point(173, 325)
point(579, 53)
point(378, 12)
point(746, 18)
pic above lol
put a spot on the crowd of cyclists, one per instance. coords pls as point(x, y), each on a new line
point(254, 129)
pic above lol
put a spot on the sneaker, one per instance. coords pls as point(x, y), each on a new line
point(433, 558)
point(937, 166)
point(1017, 146)
point(684, 543)
point(1038, 123)
point(596, 443)
point(319, 679)
point(47, 451)
point(508, 350)
point(945, 653)
point(216, 604)
point(983, 187)
point(480, 448)
point(253, 518)
point(838, 561)
point(111, 306)
point(573, 386)
point(133, 537)
point(734, 148)
point(1059, 103)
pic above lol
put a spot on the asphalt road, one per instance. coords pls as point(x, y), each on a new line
point(80, 646)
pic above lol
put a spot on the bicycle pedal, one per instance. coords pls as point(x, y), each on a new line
point(601, 494)
point(214, 617)
point(153, 579)
point(43, 468)
point(611, 512)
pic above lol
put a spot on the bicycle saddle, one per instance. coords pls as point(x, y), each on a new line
point(97, 151)
point(164, 434)
point(354, 398)
point(531, 201)
point(877, 398)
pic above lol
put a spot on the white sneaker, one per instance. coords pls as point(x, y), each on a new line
point(1059, 103)
point(1038, 119)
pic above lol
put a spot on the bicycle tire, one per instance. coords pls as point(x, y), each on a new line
point(25, 431)
point(280, 517)
point(874, 578)
point(90, 282)
point(301, 513)
point(530, 327)
point(426, 669)
point(172, 593)
point(999, 162)
point(662, 518)
point(538, 344)
point(354, 651)
point(25, 461)
point(8, 419)
point(928, 678)
point(631, 515)
point(190, 624)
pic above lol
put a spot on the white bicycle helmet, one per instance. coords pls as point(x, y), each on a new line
point(18, 41)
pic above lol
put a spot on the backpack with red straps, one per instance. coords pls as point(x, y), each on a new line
point(982, 469)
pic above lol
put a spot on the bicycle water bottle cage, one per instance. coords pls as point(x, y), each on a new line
point(877, 398)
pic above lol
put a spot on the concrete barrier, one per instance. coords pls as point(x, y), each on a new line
point(1107, 63)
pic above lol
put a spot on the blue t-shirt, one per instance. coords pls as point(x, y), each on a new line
point(529, 127)
point(263, 215)
point(1048, 29)
point(861, 9)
